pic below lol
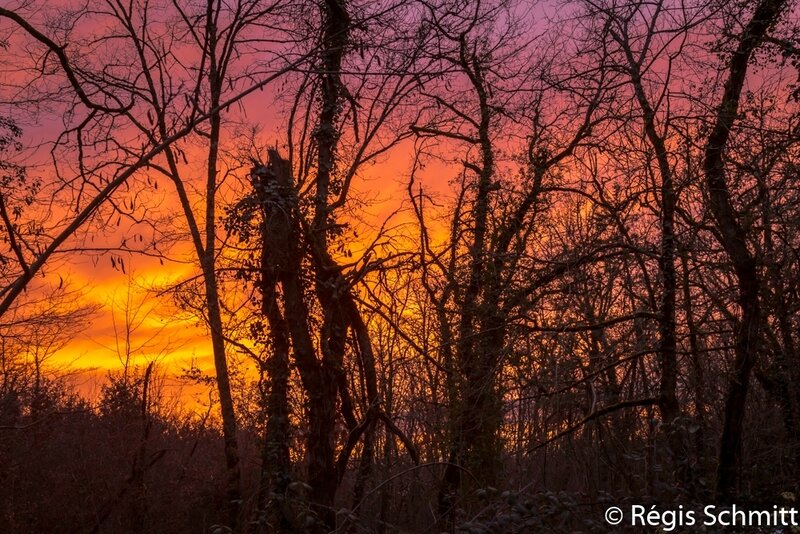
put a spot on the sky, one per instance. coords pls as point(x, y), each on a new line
point(161, 331)
point(158, 330)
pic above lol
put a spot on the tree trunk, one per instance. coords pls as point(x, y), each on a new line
point(273, 507)
point(733, 238)
point(282, 235)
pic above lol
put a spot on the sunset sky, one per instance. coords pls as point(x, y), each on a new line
point(407, 265)
point(178, 340)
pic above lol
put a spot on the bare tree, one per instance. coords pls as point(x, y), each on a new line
point(734, 240)
point(504, 88)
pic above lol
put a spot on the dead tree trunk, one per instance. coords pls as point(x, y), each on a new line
point(282, 234)
point(276, 233)
point(287, 242)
